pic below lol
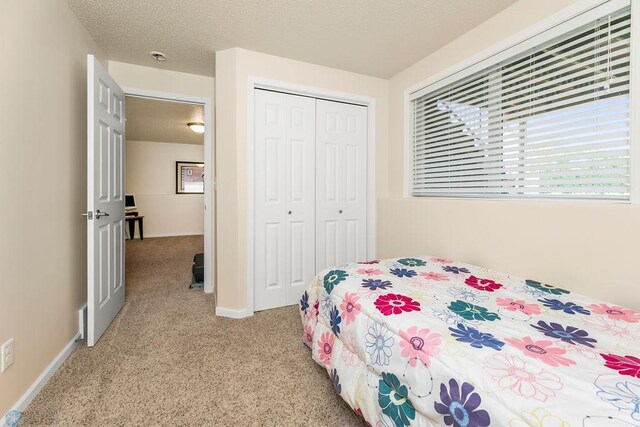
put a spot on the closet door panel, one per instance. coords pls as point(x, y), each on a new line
point(341, 139)
point(329, 189)
point(300, 196)
point(355, 182)
point(270, 202)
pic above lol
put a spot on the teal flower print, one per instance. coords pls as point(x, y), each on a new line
point(546, 288)
point(333, 278)
point(412, 262)
point(472, 312)
point(393, 400)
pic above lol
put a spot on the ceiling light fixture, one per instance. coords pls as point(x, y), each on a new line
point(158, 56)
point(197, 127)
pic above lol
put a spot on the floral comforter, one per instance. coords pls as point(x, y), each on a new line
point(428, 341)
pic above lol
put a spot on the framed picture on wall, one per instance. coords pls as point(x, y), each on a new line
point(189, 178)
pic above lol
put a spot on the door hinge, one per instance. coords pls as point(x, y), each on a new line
point(89, 215)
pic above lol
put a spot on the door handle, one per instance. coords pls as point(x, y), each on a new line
point(340, 211)
point(101, 214)
point(289, 212)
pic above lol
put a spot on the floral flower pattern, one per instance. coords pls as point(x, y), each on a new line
point(350, 307)
point(534, 351)
point(335, 379)
point(307, 335)
point(412, 262)
point(375, 284)
point(518, 305)
point(459, 405)
point(333, 278)
point(545, 287)
point(625, 365)
point(538, 418)
point(378, 344)
point(512, 373)
point(472, 312)
point(304, 302)
point(616, 313)
point(403, 272)
point(419, 344)
point(542, 350)
point(393, 399)
point(467, 295)
point(624, 396)
point(325, 348)
point(567, 307)
point(441, 260)
point(455, 270)
point(482, 284)
point(369, 272)
point(569, 334)
point(432, 275)
point(474, 337)
point(335, 320)
point(395, 304)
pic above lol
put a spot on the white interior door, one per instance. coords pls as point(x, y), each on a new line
point(105, 199)
point(341, 190)
point(284, 198)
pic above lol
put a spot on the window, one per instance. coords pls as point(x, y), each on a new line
point(548, 122)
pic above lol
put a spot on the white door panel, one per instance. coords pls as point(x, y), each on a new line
point(105, 201)
point(284, 232)
point(341, 147)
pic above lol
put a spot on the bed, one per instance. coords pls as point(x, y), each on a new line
point(427, 341)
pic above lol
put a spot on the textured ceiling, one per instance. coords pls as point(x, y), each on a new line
point(374, 37)
point(162, 121)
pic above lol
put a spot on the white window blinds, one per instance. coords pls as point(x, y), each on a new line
point(552, 122)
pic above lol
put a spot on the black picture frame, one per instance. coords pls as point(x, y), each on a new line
point(189, 177)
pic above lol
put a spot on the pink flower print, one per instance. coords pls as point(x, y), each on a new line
point(438, 277)
point(441, 260)
point(369, 271)
point(307, 335)
point(350, 307)
point(542, 350)
point(512, 373)
point(518, 305)
point(395, 304)
point(325, 347)
point(616, 313)
point(608, 326)
point(419, 344)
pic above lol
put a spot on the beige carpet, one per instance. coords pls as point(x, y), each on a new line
point(168, 360)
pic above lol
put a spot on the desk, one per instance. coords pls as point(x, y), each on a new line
point(132, 225)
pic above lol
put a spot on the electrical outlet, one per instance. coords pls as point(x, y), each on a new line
point(6, 355)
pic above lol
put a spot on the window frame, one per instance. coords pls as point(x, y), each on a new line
point(568, 19)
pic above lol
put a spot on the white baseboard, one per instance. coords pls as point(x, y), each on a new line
point(231, 313)
point(190, 233)
point(44, 377)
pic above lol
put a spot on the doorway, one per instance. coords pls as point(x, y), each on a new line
point(165, 117)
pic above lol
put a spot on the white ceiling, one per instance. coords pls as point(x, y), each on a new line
point(374, 37)
point(162, 121)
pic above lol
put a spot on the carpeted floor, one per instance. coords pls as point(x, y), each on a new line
point(168, 360)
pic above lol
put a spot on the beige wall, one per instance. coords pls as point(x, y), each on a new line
point(42, 184)
point(233, 68)
point(151, 177)
point(591, 248)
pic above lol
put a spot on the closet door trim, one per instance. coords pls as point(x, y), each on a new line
point(254, 83)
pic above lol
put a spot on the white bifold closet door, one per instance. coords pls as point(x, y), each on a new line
point(284, 188)
point(341, 183)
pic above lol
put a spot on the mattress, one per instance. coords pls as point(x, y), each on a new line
point(428, 341)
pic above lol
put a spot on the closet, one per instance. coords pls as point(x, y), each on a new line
point(310, 192)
